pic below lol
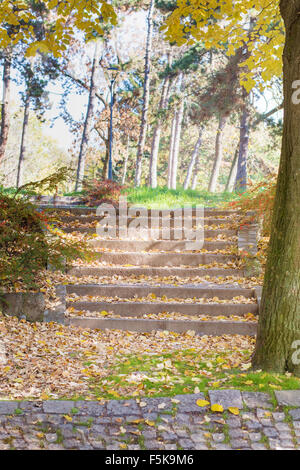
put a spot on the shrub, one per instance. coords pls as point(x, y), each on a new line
point(27, 241)
point(259, 198)
point(98, 192)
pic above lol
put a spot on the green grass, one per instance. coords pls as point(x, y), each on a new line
point(182, 373)
point(163, 197)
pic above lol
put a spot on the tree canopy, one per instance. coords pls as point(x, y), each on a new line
point(232, 24)
point(49, 25)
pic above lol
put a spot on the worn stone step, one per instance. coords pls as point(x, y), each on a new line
point(160, 245)
point(164, 259)
point(183, 292)
point(146, 234)
point(138, 309)
point(152, 271)
point(214, 328)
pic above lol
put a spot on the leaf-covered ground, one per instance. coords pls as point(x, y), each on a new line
point(43, 361)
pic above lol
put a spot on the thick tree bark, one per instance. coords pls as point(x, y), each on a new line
point(156, 136)
point(87, 122)
point(233, 171)
point(241, 175)
point(171, 151)
point(146, 97)
point(5, 106)
point(193, 159)
point(218, 155)
point(279, 320)
point(23, 142)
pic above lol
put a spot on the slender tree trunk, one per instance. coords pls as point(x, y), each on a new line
point(106, 161)
point(23, 142)
point(156, 136)
point(176, 146)
point(125, 162)
point(87, 122)
point(177, 137)
point(278, 340)
point(233, 170)
point(241, 175)
point(195, 174)
point(218, 155)
point(5, 106)
point(193, 159)
point(146, 97)
point(171, 151)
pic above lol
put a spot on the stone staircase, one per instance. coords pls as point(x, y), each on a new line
point(157, 284)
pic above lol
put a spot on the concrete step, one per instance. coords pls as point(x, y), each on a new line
point(159, 245)
point(164, 259)
point(152, 271)
point(214, 328)
point(182, 292)
point(208, 212)
point(151, 221)
point(146, 234)
point(138, 309)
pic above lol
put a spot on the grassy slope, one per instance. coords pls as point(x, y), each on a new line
point(163, 197)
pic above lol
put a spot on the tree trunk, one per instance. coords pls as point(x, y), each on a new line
point(195, 174)
point(177, 137)
point(278, 340)
point(193, 159)
point(23, 144)
point(87, 122)
point(233, 171)
point(125, 162)
point(146, 98)
point(171, 151)
point(218, 155)
point(241, 175)
point(156, 136)
point(5, 106)
point(106, 160)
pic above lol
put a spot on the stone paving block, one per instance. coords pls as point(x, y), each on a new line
point(186, 444)
point(8, 407)
point(295, 414)
point(257, 446)
point(288, 397)
point(123, 408)
point(188, 403)
point(257, 400)
point(92, 408)
point(58, 406)
point(270, 432)
point(226, 398)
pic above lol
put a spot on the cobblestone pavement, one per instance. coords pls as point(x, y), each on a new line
point(154, 423)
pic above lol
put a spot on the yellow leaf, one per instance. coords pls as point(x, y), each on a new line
point(68, 418)
point(234, 410)
point(150, 423)
point(217, 408)
point(202, 402)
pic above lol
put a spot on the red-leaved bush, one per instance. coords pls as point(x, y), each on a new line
point(101, 191)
